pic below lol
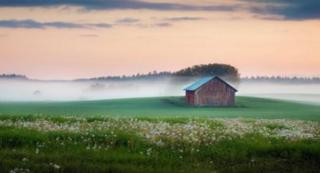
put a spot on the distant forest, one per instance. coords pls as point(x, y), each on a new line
point(281, 79)
point(225, 71)
point(13, 76)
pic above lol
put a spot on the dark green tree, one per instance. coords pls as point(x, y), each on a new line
point(222, 70)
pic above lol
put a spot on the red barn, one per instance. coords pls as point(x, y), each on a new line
point(210, 91)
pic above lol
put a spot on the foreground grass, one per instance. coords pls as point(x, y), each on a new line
point(68, 144)
point(165, 107)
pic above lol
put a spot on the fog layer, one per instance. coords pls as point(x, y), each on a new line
point(15, 90)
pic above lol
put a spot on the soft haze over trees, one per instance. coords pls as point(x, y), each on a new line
point(225, 71)
point(13, 76)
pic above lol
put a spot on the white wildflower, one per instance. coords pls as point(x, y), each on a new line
point(37, 150)
point(56, 166)
point(25, 159)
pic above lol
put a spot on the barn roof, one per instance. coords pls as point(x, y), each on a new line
point(204, 80)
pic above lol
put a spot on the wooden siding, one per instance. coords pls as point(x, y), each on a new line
point(213, 93)
point(190, 97)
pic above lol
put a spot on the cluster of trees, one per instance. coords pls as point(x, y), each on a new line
point(282, 79)
point(150, 75)
point(13, 76)
point(225, 71)
point(222, 70)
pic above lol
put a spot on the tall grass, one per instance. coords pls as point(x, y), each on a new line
point(24, 149)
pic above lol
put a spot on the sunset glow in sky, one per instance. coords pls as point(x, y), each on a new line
point(66, 39)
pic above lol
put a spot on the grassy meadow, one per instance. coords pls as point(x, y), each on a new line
point(159, 135)
point(246, 107)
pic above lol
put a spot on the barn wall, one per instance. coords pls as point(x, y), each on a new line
point(190, 97)
point(215, 93)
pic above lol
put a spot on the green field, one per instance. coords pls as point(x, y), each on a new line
point(159, 135)
point(246, 107)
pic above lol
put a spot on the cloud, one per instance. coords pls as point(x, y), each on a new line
point(163, 24)
point(116, 4)
point(127, 20)
point(184, 18)
point(57, 24)
point(287, 9)
point(32, 24)
point(20, 24)
point(99, 25)
point(169, 21)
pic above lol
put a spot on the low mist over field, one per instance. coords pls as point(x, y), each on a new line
point(29, 90)
point(308, 93)
point(89, 90)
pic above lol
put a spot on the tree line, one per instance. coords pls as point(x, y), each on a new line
point(13, 76)
point(282, 79)
point(225, 71)
point(222, 70)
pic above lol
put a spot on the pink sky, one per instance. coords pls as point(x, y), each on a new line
point(143, 40)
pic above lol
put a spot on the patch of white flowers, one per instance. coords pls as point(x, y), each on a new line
point(20, 170)
point(193, 131)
